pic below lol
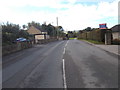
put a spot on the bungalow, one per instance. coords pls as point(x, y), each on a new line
point(38, 32)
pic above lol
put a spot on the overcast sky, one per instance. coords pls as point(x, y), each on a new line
point(72, 14)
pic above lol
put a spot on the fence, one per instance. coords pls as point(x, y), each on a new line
point(97, 35)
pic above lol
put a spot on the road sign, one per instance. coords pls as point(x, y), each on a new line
point(103, 26)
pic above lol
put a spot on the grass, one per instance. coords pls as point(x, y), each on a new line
point(92, 41)
point(72, 38)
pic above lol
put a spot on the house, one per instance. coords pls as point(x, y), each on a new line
point(116, 32)
point(38, 32)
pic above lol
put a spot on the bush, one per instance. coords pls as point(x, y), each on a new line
point(10, 32)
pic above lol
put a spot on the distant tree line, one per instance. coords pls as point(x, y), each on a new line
point(72, 34)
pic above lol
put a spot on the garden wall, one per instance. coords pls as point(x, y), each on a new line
point(22, 45)
point(15, 47)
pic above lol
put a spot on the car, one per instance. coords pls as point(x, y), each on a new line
point(21, 39)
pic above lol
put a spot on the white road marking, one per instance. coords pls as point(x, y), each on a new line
point(66, 44)
point(64, 77)
point(64, 51)
point(65, 47)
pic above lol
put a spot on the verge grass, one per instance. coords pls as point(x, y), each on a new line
point(92, 41)
point(72, 38)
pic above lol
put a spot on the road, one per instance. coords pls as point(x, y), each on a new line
point(61, 64)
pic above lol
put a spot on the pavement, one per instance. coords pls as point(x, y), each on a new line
point(109, 48)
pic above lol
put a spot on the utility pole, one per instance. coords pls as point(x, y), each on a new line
point(57, 26)
point(57, 20)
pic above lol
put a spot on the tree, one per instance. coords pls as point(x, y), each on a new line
point(88, 29)
point(24, 26)
point(72, 34)
point(10, 32)
point(33, 23)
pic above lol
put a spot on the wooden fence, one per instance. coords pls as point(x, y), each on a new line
point(97, 35)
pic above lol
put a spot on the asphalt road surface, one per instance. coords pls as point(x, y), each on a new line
point(61, 64)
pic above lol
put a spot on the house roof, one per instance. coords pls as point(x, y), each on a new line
point(40, 28)
point(116, 28)
point(36, 30)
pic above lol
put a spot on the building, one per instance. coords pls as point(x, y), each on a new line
point(116, 32)
point(38, 32)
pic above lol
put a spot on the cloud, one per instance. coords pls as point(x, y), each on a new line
point(80, 16)
point(71, 16)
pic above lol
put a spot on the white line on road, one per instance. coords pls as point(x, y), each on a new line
point(64, 51)
point(66, 44)
point(64, 77)
point(65, 47)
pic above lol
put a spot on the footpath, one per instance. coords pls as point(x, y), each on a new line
point(110, 48)
point(115, 49)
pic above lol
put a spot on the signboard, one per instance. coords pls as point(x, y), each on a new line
point(103, 26)
point(39, 37)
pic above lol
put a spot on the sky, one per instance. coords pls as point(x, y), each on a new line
point(72, 14)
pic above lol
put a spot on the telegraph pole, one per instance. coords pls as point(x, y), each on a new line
point(57, 20)
point(57, 26)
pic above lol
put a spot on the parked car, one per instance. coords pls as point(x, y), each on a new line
point(21, 40)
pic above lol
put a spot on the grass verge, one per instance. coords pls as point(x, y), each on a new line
point(72, 38)
point(92, 41)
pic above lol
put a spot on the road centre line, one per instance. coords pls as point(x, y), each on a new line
point(65, 48)
point(64, 76)
point(66, 44)
point(64, 51)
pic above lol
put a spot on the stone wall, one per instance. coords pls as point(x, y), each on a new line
point(16, 47)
